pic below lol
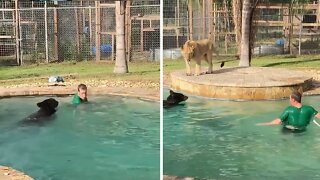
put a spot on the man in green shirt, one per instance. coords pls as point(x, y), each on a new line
point(81, 95)
point(296, 117)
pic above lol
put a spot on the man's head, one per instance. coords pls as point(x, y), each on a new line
point(82, 91)
point(295, 97)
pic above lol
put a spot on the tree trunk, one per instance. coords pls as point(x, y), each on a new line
point(121, 65)
point(253, 28)
point(190, 17)
point(57, 53)
point(245, 34)
point(291, 14)
point(236, 10)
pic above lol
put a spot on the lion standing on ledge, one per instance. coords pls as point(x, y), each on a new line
point(197, 50)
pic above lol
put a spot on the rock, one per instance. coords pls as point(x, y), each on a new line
point(7, 173)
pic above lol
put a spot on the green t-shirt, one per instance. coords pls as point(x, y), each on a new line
point(298, 117)
point(77, 100)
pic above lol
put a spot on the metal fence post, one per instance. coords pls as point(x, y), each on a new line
point(46, 30)
point(98, 30)
point(17, 32)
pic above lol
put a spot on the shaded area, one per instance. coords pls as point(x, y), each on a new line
point(221, 71)
point(290, 62)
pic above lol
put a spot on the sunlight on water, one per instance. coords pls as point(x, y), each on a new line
point(218, 139)
point(111, 138)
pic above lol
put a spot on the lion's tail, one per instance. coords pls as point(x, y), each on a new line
point(215, 49)
point(222, 64)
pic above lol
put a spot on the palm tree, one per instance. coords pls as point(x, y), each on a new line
point(121, 65)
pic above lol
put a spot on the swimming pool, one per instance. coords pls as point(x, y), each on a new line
point(217, 139)
point(111, 138)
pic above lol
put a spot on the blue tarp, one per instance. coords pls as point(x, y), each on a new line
point(105, 49)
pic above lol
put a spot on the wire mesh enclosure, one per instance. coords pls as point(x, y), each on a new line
point(278, 27)
point(48, 31)
point(145, 29)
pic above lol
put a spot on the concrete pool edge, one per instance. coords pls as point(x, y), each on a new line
point(8, 173)
point(143, 93)
point(253, 83)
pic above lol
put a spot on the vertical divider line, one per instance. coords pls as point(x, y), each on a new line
point(161, 87)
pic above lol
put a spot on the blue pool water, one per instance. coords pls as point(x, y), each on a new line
point(112, 138)
point(216, 139)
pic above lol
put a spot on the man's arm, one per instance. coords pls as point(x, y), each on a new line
point(274, 122)
point(317, 116)
point(283, 117)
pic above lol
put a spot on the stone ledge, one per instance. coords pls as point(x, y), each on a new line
point(145, 93)
point(247, 77)
point(7, 173)
point(246, 83)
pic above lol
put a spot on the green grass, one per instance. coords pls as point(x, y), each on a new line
point(148, 71)
point(143, 71)
point(283, 61)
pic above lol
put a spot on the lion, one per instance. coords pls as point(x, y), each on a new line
point(198, 50)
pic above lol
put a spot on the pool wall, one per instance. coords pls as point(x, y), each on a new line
point(252, 83)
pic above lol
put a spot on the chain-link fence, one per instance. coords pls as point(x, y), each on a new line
point(276, 32)
point(46, 31)
point(51, 31)
point(7, 34)
point(145, 29)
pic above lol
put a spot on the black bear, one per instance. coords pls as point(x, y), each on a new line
point(174, 99)
point(47, 108)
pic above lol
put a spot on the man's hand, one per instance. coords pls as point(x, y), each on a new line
point(274, 122)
